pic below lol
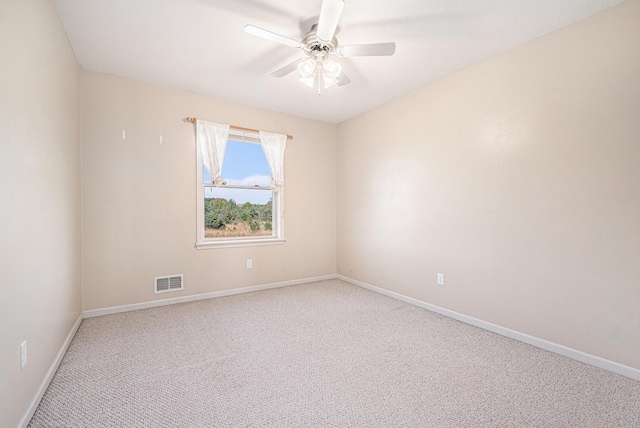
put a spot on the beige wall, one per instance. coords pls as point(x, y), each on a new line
point(139, 196)
point(39, 197)
point(519, 179)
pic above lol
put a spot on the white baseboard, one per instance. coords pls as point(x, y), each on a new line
point(593, 360)
point(47, 379)
point(574, 354)
point(164, 302)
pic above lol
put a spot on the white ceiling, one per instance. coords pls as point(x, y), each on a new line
point(200, 45)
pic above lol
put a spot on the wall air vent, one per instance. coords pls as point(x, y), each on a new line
point(168, 283)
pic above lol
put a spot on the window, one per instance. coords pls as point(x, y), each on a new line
point(244, 208)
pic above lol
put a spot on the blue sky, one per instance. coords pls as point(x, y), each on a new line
point(245, 164)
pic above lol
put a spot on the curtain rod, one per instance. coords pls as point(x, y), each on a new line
point(193, 120)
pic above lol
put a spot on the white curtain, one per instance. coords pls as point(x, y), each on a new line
point(273, 146)
point(212, 140)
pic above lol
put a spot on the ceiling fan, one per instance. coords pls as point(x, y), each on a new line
point(316, 69)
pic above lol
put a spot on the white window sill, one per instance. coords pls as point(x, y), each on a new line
point(231, 243)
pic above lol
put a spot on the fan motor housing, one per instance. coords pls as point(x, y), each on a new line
point(316, 46)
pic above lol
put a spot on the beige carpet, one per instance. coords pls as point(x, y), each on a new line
point(320, 354)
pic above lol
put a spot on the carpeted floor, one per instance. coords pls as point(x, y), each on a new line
point(320, 354)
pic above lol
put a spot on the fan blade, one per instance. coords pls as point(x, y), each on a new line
point(255, 31)
point(373, 49)
point(329, 16)
point(343, 79)
point(287, 68)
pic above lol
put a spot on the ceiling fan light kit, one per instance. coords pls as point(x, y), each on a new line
point(319, 73)
point(316, 70)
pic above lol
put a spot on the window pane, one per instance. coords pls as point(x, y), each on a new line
point(237, 212)
point(245, 164)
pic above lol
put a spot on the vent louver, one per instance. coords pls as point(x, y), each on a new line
point(168, 283)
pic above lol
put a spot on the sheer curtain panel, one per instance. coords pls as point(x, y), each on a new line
point(212, 141)
point(273, 146)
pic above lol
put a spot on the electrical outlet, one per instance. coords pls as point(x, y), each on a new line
point(249, 263)
point(23, 354)
point(440, 279)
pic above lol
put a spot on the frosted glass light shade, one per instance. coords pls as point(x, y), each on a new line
point(331, 72)
point(331, 69)
point(307, 68)
point(309, 81)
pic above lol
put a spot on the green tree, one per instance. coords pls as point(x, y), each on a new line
point(219, 212)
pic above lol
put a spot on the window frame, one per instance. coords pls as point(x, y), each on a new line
point(277, 201)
